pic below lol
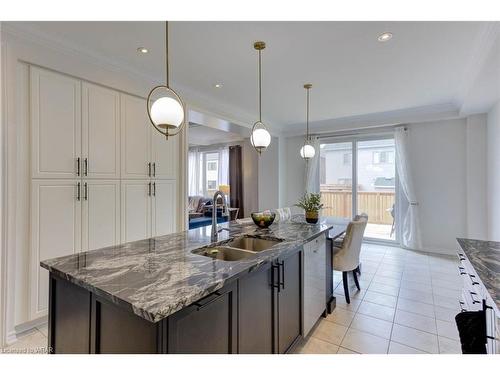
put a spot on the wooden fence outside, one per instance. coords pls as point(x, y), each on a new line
point(373, 203)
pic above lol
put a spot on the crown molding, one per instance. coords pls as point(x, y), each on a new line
point(372, 120)
point(483, 46)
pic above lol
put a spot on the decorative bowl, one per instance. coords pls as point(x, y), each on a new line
point(263, 219)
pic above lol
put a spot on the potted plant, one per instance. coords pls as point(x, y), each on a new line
point(311, 203)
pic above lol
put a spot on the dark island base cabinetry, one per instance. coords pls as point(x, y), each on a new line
point(258, 313)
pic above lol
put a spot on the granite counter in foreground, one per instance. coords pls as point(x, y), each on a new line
point(485, 258)
point(157, 277)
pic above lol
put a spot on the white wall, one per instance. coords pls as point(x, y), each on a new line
point(269, 189)
point(295, 171)
point(476, 186)
point(493, 173)
point(250, 165)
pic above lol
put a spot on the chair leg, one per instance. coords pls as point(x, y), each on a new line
point(358, 269)
point(346, 287)
point(355, 275)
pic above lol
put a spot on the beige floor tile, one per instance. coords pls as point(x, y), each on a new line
point(413, 285)
point(415, 307)
point(415, 338)
point(376, 311)
point(381, 299)
point(44, 330)
point(447, 284)
point(341, 316)
point(392, 274)
point(397, 348)
point(421, 279)
point(330, 332)
point(353, 292)
point(345, 351)
point(445, 314)
point(364, 343)
point(447, 346)
point(392, 290)
point(386, 281)
point(353, 306)
point(416, 321)
point(448, 302)
point(448, 330)
point(317, 346)
point(446, 292)
point(416, 295)
point(377, 327)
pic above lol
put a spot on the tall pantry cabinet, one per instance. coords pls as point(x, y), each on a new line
point(100, 174)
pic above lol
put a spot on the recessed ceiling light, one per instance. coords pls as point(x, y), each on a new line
point(142, 50)
point(218, 85)
point(384, 37)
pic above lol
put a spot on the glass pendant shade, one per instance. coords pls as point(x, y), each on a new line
point(167, 112)
point(260, 138)
point(307, 151)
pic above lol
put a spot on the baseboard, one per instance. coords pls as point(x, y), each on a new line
point(24, 328)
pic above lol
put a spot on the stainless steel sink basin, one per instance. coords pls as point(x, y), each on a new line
point(252, 243)
point(224, 253)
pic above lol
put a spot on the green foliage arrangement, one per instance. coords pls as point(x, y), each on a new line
point(310, 202)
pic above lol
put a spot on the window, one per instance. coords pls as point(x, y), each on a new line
point(383, 157)
point(207, 170)
point(211, 184)
point(347, 158)
point(212, 166)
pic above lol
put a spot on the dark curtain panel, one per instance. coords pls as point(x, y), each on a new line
point(236, 179)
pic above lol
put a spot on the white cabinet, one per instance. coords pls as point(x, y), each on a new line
point(55, 124)
point(135, 138)
point(163, 207)
point(100, 132)
point(135, 209)
point(55, 231)
point(314, 301)
point(164, 155)
point(100, 213)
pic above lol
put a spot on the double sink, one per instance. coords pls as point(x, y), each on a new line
point(237, 248)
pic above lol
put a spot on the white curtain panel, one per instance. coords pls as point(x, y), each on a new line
point(223, 166)
point(410, 227)
point(194, 172)
point(312, 169)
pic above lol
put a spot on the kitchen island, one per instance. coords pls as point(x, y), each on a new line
point(158, 296)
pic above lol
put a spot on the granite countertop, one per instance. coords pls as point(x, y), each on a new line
point(155, 277)
point(485, 258)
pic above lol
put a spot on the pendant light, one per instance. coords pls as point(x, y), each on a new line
point(166, 110)
point(307, 151)
point(260, 137)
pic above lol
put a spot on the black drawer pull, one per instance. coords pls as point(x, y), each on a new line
point(276, 268)
point(201, 306)
point(86, 170)
point(78, 166)
point(281, 280)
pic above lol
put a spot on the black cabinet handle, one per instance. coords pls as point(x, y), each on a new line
point(201, 306)
point(154, 189)
point(149, 169)
point(86, 191)
point(275, 271)
point(149, 189)
point(78, 166)
point(282, 274)
point(78, 191)
point(154, 169)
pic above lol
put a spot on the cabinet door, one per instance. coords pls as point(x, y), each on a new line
point(135, 210)
point(165, 155)
point(207, 327)
point(135, 137)
point(289, 302)
point(164, 207)
point(55, 124)
point(100, 214)
point(255, 299)
point(100, 132)
point(55, 231)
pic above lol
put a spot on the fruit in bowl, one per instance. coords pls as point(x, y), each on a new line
point(263, 219)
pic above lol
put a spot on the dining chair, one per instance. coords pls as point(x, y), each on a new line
point(346, 255)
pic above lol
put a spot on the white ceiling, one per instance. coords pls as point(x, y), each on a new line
point(352, 73)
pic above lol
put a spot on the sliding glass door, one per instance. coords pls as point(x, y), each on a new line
point(359, 176)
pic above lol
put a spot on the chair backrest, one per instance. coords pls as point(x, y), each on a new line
point(348, 258)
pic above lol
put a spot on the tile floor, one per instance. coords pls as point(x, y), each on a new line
point(407, 304)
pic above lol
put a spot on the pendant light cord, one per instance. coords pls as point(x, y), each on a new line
point(166, 53)
point(307, 116)
point(260, 87)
